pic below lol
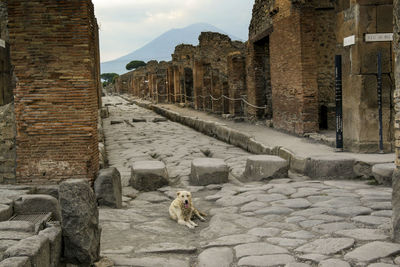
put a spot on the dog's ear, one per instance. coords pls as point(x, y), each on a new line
point(178, 193)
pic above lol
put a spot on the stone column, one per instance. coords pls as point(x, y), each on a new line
point(396, 175)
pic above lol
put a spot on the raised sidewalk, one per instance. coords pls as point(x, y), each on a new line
point(305, 156)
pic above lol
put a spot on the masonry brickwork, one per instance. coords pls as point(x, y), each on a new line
point(54, 48)
point(6, 87)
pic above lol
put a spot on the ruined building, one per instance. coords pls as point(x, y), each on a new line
point(55, 56)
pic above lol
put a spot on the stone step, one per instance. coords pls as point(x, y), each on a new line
point(205, 171)
point(261, 167)
point(383, 173)
point(148, 175)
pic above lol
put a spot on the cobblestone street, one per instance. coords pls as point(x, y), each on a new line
point(292, 221)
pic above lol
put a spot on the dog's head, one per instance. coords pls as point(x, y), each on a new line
point(185, 197)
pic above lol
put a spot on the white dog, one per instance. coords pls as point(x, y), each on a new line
point(182, 209)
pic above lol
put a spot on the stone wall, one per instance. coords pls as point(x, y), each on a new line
point(55, 53)
point(6, 89)
point(7, 144)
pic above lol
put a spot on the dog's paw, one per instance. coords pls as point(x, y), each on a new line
point(202, 219)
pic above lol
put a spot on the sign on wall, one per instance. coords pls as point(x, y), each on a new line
point(2, 43)
point(350, 40)
point(378, 37)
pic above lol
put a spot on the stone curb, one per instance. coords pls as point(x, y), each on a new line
point(297, 163)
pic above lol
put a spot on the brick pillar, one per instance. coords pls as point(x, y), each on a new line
point(198, 84)
point(396, 175)
point(54, 51)
point(237, 81)
point(216, 91)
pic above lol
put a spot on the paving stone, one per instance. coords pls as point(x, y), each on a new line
point(328, 228)
point(379, 205)
point(297, 264)
point(273, 218)
point(168, 248)
point(295, 219)
point(253, 206)
point(235, 200)
point(339, 202)
point(363, 234)
point(205, 171)
point(373, 251)
point(5, 212)
point(5, 244)
point(248, 223)
point(153, 197)
point(148, 175)
point(294, 203)
point(333, 263)
point(371, 220)
point(282, 225)
point(312, 257)
point(383, 213)
point(397, 260)
point(274, 210)
point(310, 212)
point(299, 234)
point(229, 210)
point(306, 192)
point(12, 235)
point(261, 167)
point(286, 242)
point(326, 246)
point(282, 189)
point(254, 249)
point(350, 211)
point(215, 257)
point(264, 232)
point(266, 260)
point(311, 223)
point(328, 218)
point(232, 240)
point(270, 197)
point(380, 264)
point(149, 261)
point(383, 173)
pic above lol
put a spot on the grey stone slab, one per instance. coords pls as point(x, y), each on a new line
point(264, 232)
point(168, 248)
point(235, 200)
point(327, 218)
point(27, 204)
point(363, 234)
point(295, 219)
point(383, 173)
point(261, 167)
point(339, 202)
point(253, 206)
point(16, 262)
point(313, 257)
point(205, 171)
point(386, 205)
point(373, 251)
point(294, 203)
point(383, 213)
point(333, 263)
point(232, 240)
point(310, 212)
point(311, 223)
point(326, 246)
point(371, 220)
point(255, 249)
point(54, 234)
point(5, 244)
point(397, 260)
point(380, 264)
point(286, 242)
point(269, 197)
point(328, 228)
point(350, 211)
point(149, 261)
point(215, 257)
point(282, 189)
point(299, 234)
point(266, 260)
point(12, 235)
point(274, 210)
point(297, 264)
point(330, 167)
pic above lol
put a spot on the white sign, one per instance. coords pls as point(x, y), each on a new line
point(379, 37)
point(351, 40)
point(2, 43)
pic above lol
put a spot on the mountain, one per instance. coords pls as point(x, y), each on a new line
point(162, 47)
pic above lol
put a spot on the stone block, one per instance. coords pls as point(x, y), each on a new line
point(18, 226)
point(239, 139)
point(205, 171)
point(330, 167)
point(383, 173)
point(263, 167)
point(108, 188)
point(396, 205)
point(6, 212)
point(37, 248)
point(54, 235)
point(223, 133)
point(80, 222)
point(28, 204)
point(51, 190)
point(104, 114)
point(148, 175)
point(16, 262)
point(256, 147)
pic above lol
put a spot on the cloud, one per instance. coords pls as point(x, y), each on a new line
point(126, 25)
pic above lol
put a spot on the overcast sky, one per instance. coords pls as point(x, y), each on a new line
point(126, 25)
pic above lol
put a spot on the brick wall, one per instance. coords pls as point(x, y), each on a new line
point(54, 48)
point(236, 81)
point(6, 88)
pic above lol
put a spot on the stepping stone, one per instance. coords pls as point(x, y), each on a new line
point(326, 246)
point(254, 249)
point(330, 167)
point(373, 251)
point(205, 171)
point(261, 167)
point(383, 173)
point(215, 257)
point(148, 175)
point(108, 188)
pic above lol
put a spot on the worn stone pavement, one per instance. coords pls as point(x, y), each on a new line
point(284, 222)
